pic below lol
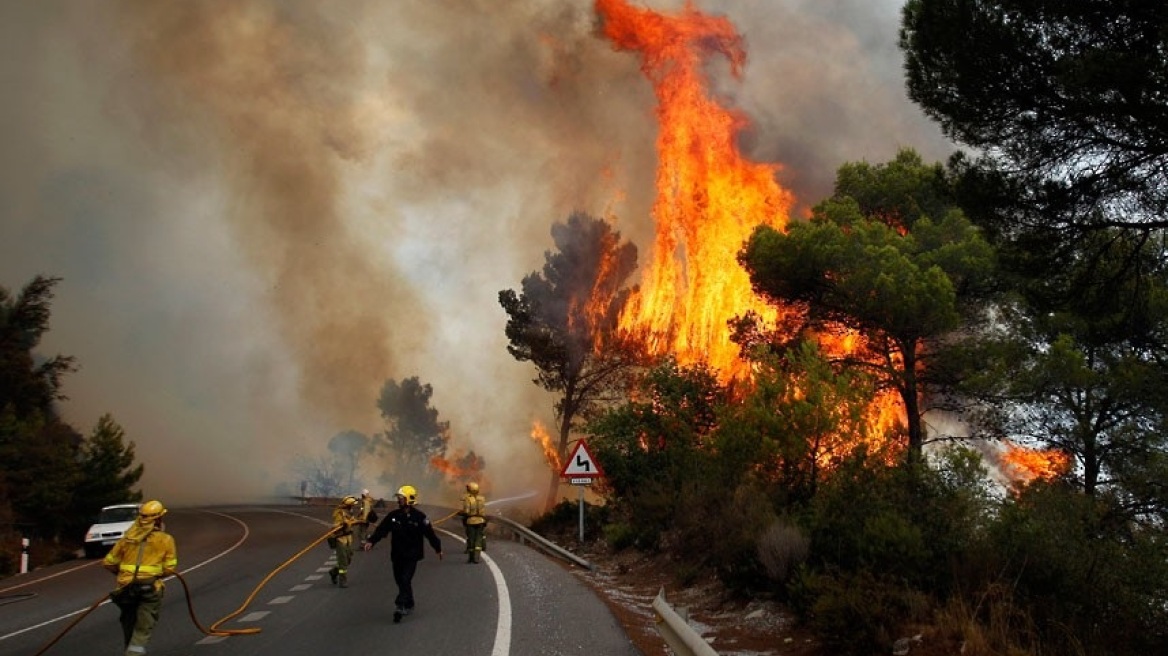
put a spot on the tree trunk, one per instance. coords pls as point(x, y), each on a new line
point(912, 406)
point(562, 450)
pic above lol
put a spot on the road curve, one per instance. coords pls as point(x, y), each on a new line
point(517, 602)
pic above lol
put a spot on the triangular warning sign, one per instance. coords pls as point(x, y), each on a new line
point(581, 463)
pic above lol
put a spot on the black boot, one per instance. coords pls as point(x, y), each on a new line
point(333, 575)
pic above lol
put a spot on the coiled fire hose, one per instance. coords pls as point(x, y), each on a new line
point(214, 630)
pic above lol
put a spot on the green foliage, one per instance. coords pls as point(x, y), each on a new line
point(1086, 576)
point(800, 414)
point(40, 471)
point(740, 513)
point(53, 480)
point(1064, 98)
point(26, 386)
point(620, 535)
point(655, 442)
point(413, 433)
point(1076, 377)
point(563, 521)
point(108, 470)
point(908, 522)
point(872, 261)
point(857, 612)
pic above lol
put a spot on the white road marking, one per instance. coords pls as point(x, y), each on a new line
point(254, 616)
point(281, 600)
point(502, 646)
point(51, 576)
point(212, 559)
point(300, 587)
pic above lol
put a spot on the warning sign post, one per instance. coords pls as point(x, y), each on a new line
point(581, 469)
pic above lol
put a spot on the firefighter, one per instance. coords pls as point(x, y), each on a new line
point(474, 520)
point(140, 559)
point(366, 516)
point(341, 540)
point(407, 526)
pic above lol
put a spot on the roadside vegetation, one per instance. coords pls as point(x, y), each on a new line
point(53, 478)
point(956, 427)
point(1012, 302)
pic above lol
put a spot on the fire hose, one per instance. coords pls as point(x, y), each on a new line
point(214, 630)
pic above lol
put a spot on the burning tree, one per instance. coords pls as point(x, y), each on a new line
point(564, 319)
point(888, 263)
point(413, 434)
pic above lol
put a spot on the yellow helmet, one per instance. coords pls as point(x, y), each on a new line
point(349, 501)
point(151, 510)
point(408, 493)
point(472, 487)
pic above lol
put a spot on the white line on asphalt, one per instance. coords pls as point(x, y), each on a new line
point(51, 576)
point(77, 612)
point(502, 645)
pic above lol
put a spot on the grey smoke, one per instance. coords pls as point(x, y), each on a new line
point(263, 209)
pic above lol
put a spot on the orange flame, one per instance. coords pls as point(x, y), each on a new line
point(544, 439)
point(709, 197)
point(461, 466)
point(1025, 465)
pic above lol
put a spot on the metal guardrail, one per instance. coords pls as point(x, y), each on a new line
point(525, 534)
point(677, 633)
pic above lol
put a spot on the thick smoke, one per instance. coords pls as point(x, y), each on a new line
point(264, 209)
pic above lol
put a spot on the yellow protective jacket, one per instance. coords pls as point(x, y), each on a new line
point(474, 508)
point(343, 520)
point(158, 556)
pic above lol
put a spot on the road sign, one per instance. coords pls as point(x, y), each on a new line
point(581, 464)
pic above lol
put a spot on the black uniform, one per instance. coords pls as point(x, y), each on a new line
point(407, 526)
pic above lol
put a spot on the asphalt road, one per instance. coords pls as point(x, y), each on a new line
point(516, 602)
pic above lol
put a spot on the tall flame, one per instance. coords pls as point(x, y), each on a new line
point(541, 436)
point(709, 197)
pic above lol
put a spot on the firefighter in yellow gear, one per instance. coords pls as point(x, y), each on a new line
point(364, 512)
point(143, 556)
point(344, 517)
point(474, 520)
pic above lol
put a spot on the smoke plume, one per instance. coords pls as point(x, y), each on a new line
point(264, 209)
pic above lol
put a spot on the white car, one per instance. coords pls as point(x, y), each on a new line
point(111, 524)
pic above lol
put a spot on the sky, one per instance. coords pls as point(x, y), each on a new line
point(262, 210)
